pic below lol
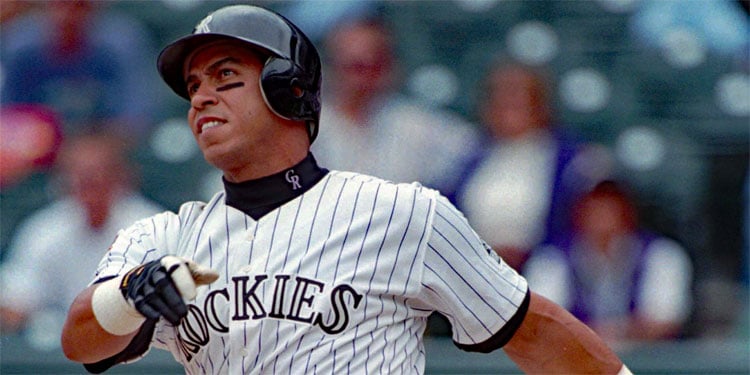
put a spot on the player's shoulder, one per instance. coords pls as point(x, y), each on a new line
point(187, 211)
point(193, 209)
point(357, 180)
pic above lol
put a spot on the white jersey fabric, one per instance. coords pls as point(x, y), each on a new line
point(341, 279)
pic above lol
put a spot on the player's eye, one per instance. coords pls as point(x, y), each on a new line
point(224, 73)
point(192, 88)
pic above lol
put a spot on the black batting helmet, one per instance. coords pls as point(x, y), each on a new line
point(290, 80)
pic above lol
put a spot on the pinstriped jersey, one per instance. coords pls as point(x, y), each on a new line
point(341, 279)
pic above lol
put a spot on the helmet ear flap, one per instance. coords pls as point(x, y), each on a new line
point(285, 89)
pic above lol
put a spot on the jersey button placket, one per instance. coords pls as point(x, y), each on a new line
point(238, 340)
point(249, 237)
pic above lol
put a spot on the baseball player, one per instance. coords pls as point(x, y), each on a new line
point(292, 268)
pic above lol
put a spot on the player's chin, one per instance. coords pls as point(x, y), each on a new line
point(221, 158)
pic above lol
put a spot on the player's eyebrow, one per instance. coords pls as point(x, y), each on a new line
point(211, 69)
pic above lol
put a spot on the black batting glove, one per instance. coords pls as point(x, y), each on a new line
point(151, 290)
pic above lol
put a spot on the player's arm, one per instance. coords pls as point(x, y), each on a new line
point(540, 337)
point(83, 338)
point(105, 317)
point(551, 340)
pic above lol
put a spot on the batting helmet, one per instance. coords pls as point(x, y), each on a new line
point(291, 77)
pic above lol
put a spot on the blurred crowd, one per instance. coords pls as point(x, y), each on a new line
point(640, 248)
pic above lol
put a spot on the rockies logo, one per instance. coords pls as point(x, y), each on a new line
point(293, 300)
point(202, 27)
point(293, 179)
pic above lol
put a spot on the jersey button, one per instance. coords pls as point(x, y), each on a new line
point(247, 269)
point(244, 352)
point(250, 236)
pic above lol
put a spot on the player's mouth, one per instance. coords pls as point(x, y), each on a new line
point(208, 123)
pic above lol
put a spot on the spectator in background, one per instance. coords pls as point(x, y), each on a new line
point(523, 180)
point(89, 64)
point(370, 127)
point(56, 250)
point(30, 137)
point(626, 282)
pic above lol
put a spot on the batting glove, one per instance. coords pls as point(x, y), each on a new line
point(150, 291)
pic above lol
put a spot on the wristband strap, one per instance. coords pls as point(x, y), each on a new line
point(112, 310)
point(624, 370)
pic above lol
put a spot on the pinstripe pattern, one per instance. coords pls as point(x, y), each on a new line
point(339, 280)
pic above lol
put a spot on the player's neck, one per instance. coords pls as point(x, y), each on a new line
point(258, 197)
point(271, 155)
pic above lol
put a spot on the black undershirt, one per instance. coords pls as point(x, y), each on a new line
point(261, 196)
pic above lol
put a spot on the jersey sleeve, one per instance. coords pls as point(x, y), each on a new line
point(146, 240)
point(482, 297)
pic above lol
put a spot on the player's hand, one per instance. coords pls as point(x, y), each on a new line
point(152, 290)
point(157, 288)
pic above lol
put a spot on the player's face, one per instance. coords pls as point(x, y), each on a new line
point(228, 115)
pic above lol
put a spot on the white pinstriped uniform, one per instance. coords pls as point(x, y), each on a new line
point(339, 280)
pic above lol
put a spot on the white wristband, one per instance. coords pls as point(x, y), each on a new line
point(624, 370)
point(112, 310)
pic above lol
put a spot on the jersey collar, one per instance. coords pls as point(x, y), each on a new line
point(261, 196)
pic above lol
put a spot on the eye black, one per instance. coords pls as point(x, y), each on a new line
point(230, 86)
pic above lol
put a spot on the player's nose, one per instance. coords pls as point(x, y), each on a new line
point(203, 97)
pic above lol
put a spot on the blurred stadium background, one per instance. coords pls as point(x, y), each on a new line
point(663, 84)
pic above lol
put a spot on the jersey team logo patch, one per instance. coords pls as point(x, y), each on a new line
point(293, 300)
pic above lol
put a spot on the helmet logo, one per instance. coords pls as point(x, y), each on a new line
point(202, 27)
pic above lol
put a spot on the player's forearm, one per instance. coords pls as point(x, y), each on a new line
point(83, 339)
point(569, 345)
